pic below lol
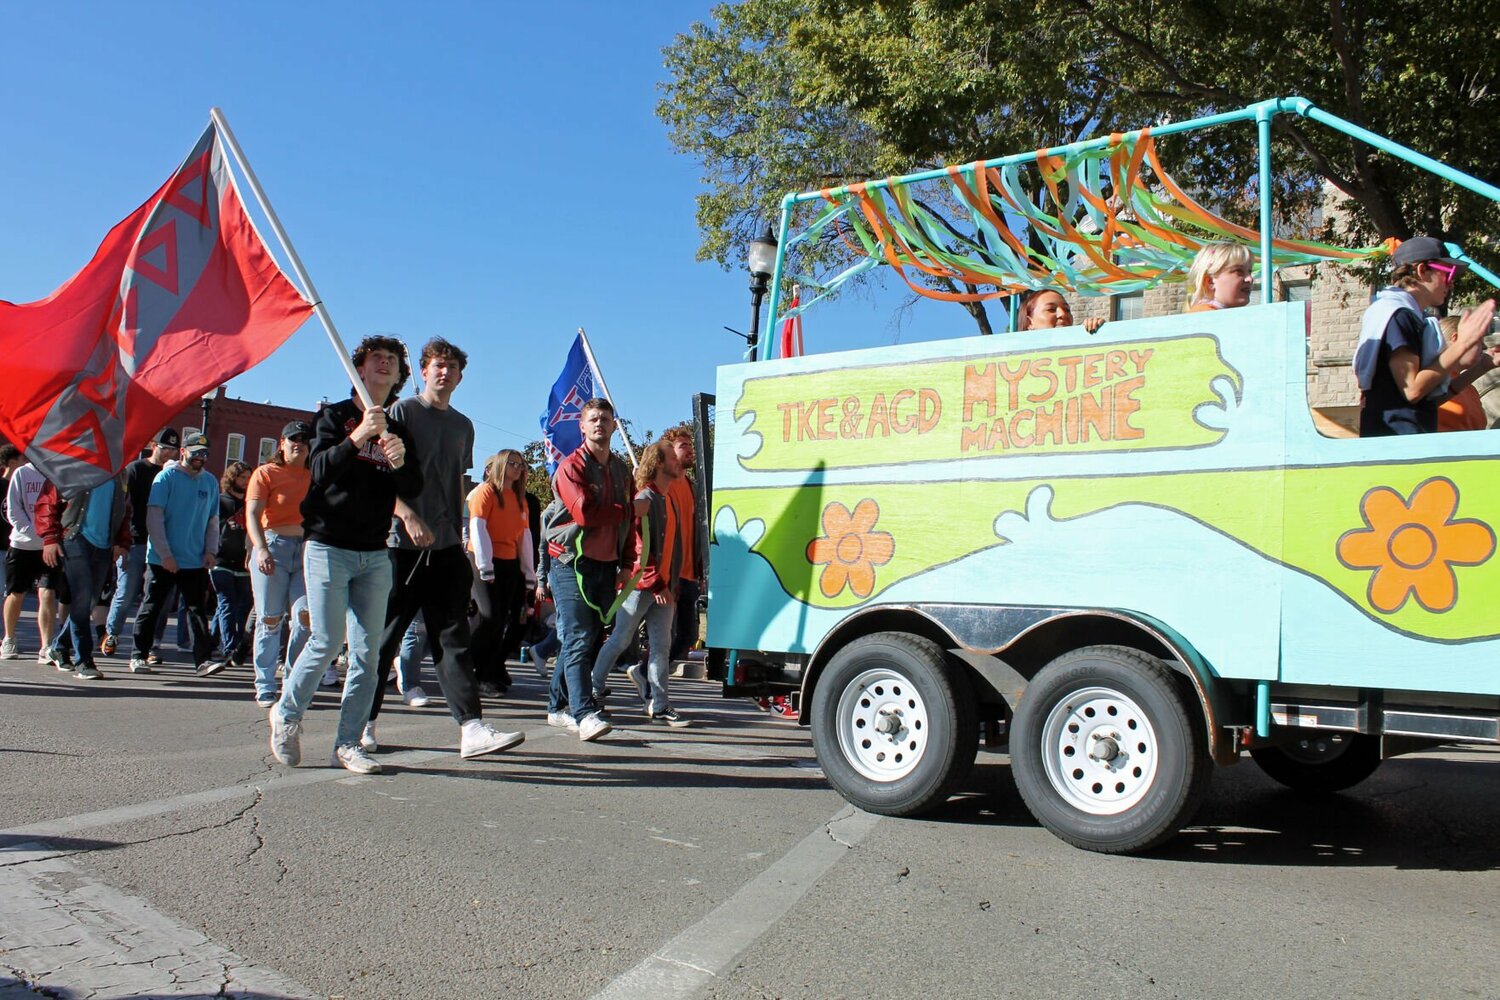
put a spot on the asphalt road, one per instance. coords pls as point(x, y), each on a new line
point(149, 846)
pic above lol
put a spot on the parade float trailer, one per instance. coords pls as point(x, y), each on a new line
point(1130, 555)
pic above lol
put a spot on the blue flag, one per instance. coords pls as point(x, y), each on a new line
point(561, 433)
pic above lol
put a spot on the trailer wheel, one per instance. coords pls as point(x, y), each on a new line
point(1109, 751)
point(894, 724)
point(1321, 762)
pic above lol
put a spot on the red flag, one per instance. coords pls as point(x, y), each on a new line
point(180, 297)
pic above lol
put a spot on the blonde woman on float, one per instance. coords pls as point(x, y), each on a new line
point(1219, 278)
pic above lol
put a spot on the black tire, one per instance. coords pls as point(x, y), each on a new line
point(1130, 762)
point(905, 682)
point(1321, 762)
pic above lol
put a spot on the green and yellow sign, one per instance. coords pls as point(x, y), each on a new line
point(1132, 396)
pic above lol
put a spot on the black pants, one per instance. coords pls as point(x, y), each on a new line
point(435, 582)
point(193, 585)
point(497, 628)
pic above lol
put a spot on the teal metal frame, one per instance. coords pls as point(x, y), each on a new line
point(1262, 113)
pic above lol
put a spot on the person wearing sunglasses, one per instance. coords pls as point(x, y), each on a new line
point(1401, 361)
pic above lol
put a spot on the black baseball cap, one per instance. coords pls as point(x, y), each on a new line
point(1423, 250)
point(167, 438)
point(296, 429)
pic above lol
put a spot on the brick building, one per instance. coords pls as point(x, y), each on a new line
point(238, 430)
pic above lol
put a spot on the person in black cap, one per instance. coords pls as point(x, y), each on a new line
point(182, 532)
point(1401, 361)
point(131, 568)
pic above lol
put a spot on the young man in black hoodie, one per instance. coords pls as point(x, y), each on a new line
point(361, 462)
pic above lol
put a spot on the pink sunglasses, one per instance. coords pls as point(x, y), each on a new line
point(1451, 270)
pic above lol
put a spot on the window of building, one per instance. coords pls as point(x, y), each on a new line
point(1131, 305)
point(267, 449)
point(188, 432)
point(234, 450)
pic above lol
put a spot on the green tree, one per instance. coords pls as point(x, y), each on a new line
point(774, 95)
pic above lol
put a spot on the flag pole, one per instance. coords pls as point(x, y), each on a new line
point(308, 291)
point(604, 390)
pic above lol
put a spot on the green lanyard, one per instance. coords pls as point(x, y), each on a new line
point(608, 616)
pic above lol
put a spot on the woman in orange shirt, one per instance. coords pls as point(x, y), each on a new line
point(273, 520)
point(500, 546)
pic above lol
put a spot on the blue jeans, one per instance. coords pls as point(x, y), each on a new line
point(547, 646)
point(85, 565)
point(347, 593)
point(658, 617)
point(127, 599)
point(578, 628)
point(232, 593)
point(413, 648)
point(274, 594)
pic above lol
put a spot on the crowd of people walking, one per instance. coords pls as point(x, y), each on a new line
point(356, 540)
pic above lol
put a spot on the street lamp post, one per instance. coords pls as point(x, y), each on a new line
point(208, 403)
point(760, 257)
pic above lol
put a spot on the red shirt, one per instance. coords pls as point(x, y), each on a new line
point(596, 509)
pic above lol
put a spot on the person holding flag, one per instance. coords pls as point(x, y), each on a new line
point(359, 462)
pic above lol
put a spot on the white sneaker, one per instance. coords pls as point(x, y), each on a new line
point(353, 758)
point(592, 727)
point(415, 696)
point(479, 738)
point(266, 700)
point(44, 656)
point(286, 740)
point(367, 740)
point(634, 673)
point(330, 678)
point(562, 720)
point(138, 665)
point(9, 650)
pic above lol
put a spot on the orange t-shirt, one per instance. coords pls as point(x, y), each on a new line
point(681, 491)
point(504, 519)
point(1463, 412)
point(282, 488)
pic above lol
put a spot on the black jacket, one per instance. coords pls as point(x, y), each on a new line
point(353, 491)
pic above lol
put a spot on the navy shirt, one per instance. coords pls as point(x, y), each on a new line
point(1385, 409)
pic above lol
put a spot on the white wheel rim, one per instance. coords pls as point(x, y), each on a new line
point(882, 725)
point(1099, 750)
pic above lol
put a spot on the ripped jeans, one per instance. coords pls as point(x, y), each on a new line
point(275, 593)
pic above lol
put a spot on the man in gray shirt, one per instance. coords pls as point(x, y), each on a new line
point(433, 574)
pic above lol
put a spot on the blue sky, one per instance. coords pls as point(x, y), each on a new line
point(492, 173)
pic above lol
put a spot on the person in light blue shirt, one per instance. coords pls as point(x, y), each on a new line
point(182, 528)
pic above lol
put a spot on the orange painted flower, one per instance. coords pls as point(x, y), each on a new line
point(850, 548)
point(1413, 546)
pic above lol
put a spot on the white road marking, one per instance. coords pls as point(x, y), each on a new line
point(683, 966)
point(61, 929)
point(290, 778)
